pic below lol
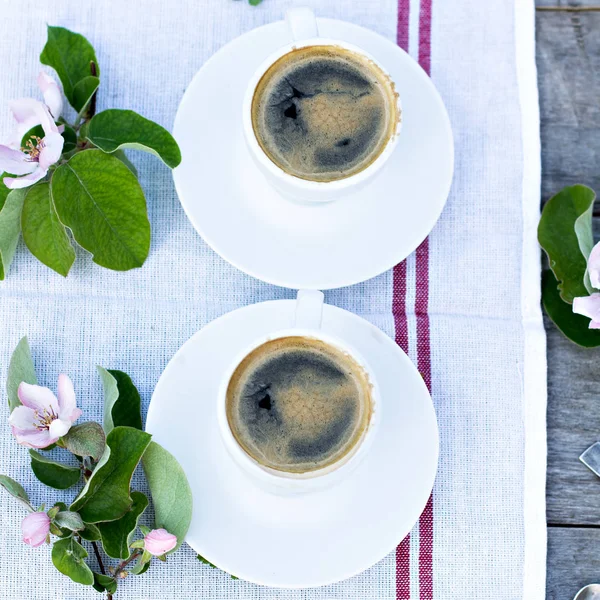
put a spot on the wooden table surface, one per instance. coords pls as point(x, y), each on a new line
point(568, 60)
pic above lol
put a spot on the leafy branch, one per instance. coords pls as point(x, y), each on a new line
point(105, 514)
point(71, 183)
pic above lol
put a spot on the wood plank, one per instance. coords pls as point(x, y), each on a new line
point(568, 59)
point(567, 3)
point(573, 561)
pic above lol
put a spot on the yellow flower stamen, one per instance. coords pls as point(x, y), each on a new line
point(33, 147)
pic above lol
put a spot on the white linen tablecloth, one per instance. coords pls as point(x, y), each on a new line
point(465, 305)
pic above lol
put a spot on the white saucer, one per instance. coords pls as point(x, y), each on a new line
point(322, 246)
point(317, 538)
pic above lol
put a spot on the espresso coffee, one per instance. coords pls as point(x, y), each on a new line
point(297, 404)
point(324, 113)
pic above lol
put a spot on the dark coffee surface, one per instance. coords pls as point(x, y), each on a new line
point(297, 404)
point(323, 113)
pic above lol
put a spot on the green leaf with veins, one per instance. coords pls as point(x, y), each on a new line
point(120, 154)
point(20, 369)
point(565, 233)
point(170, 491)
point(122, 402)
point(70, 55)
point(84, 91)
point(69, 520)
point(86, 439)
point(43, 233)
point(10, 225)
point(52, 473)
point(68, 557)
point(115, 128)
point(15, 489)
point(101, 201)
point(117, 535)
point(105, 496)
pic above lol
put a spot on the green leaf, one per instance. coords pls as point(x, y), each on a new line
point(104, 583)
point(101, 201)
point(43, 232)
point(15, 489)
point(115, 128)
point(52, 473)
point(573, 326)
point(105, 496)
point(90, 533)
point(206, 562)
point(20, 369)
point(145, 530)
point(254, 2)
point(84, 91)
point(170, 490)
point(86, 439)
point(565, 233)
point(10, 227)
point(122, 402)
point(68, 557)
point(70, 55)
point(120, 154)
point(141, 567)
point(68, 134)
point(117, 535)
point(4, 191)
point(69, 520)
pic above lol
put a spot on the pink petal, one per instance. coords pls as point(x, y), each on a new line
point(23, 418)
point(51, 149)
point(52, 95)
point(159, 541)
point(593, 266)
point(15, 183)
point(588, 306)
point(58, 428)
point(33, 439)
point(594, 324)
point(37, 397)
point(66, 397)
point(35, 527)
point(15, 161)
point(30, 110)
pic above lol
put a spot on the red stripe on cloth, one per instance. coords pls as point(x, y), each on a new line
point(403, 570)
point(402, 29)
point(423, 332)
point(401, 329)
point(425, 35)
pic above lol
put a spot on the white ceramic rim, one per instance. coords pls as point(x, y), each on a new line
point(282, 479)
point(305, 184)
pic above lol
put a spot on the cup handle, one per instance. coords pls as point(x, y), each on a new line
point(301, 23)
point(309, 309)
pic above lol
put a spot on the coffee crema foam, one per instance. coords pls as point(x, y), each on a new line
point(324, 113)
point(297, 404)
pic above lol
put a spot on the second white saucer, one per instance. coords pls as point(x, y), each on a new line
point(312, 539)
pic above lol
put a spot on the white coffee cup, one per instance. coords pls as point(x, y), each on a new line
point(303, 30)
point(309, 308)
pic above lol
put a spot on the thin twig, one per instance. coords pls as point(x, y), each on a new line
point(98, 558)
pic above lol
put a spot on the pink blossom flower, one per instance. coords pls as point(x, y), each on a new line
point(159, 541)
point(39, 154)
point(593, 266)
point(588, 306)
point(43, 418)
point(35, 526)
